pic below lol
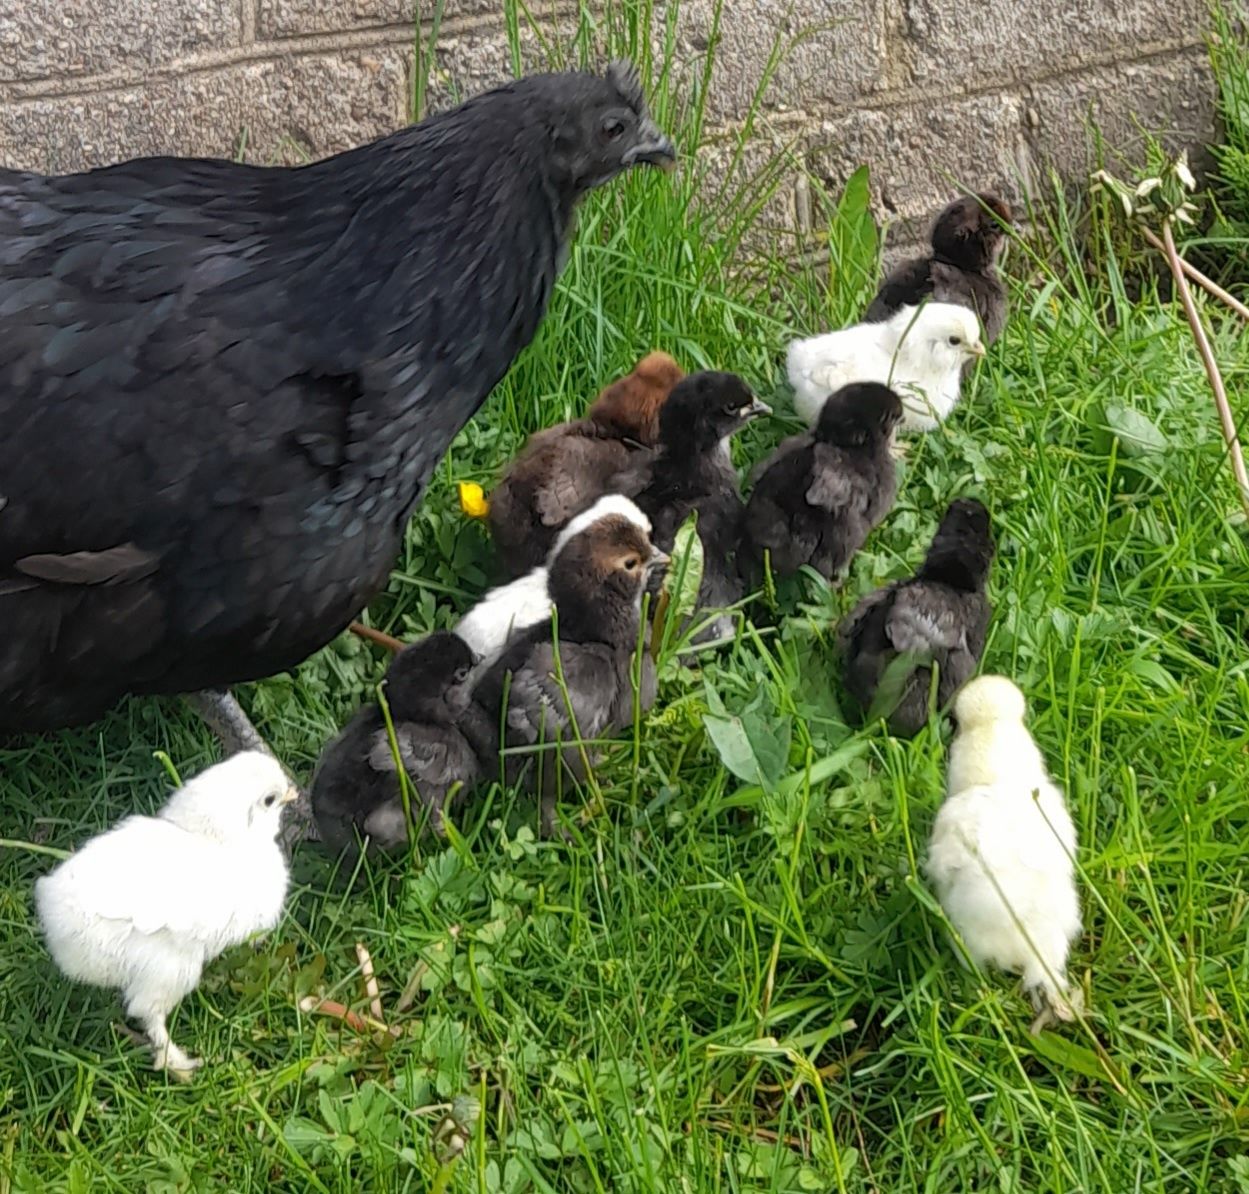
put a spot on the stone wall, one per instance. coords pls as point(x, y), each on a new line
point(931, 93)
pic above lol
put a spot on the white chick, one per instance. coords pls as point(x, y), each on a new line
point(919, 352)
point(507, 609)
point(144, 906)
point(1003, 845)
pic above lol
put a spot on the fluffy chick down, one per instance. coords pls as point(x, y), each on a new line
point(692, 470)
point(939, 616)
point(442, 741)
point(509, 609)
point(570, 680)
point(146, 905)
point(920, 352)
point(1001, 855)
point(563, 469)
point(819, 495)
point(967, 242)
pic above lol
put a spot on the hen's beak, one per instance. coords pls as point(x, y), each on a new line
point(977, 349)
point(290, 795)
point(652, 148)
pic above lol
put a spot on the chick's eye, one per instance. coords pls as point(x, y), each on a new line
point(956, 341)
point(731, 409)
point(613, 129)
point(631, 563)
point(461, 674)
point(269, 800)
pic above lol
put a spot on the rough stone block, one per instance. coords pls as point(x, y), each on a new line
point(837, 57)
point(474, 60)
point(294, 18)
point(964, 40)
point(1171, 97)
point(66, 38)
point(288, 110)
point(922, 157)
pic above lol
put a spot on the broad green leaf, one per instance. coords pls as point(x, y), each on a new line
point(754, 745)
point(894, 681)
point(1137, 435)
point(685, 573)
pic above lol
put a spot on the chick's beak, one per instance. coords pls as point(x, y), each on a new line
point(290, 795)
point(977, 349)
point(651, 147)
point(757, 408)
point(660, 559)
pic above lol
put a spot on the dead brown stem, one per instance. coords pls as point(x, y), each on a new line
point(1212, 368)
point(1207, 284)
point(375, 636)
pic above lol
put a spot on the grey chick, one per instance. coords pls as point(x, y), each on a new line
point(939, 616)
point(580, 668)
point(441, 735)
point(967, 242)
point(820, 494)
point(693, 470)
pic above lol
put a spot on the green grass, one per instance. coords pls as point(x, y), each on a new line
point(722, 985)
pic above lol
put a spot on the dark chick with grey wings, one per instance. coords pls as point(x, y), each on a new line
point(576, 681)
point(223, 388)
point(967, 243)
point(692, 470)
point(440, 734)
point(938, 616)
point(819, 495)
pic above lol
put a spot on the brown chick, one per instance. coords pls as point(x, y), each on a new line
point(967, 241)
point(563, 470)
point(584, 687)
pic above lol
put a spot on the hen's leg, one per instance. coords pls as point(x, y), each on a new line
point(222, 714)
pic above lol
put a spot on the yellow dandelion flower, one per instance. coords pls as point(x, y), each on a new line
point(473, 500)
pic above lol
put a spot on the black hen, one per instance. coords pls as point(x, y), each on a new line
point(691, 470)
point(819, 495)
point(577, 684)
point(441, 737)
point(967, 241)
point(940, 615)
point(224, 387)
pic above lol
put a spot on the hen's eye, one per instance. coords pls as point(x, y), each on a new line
point(613, 129)
point(956, 341)
point(269, 800)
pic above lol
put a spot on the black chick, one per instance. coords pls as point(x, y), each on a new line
point(692, 469)
point(967, 241)
point(223, 388)
point(596, 583)
point(441, 737)
point(819, 495)
point(565, 469)
point(940, 615)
